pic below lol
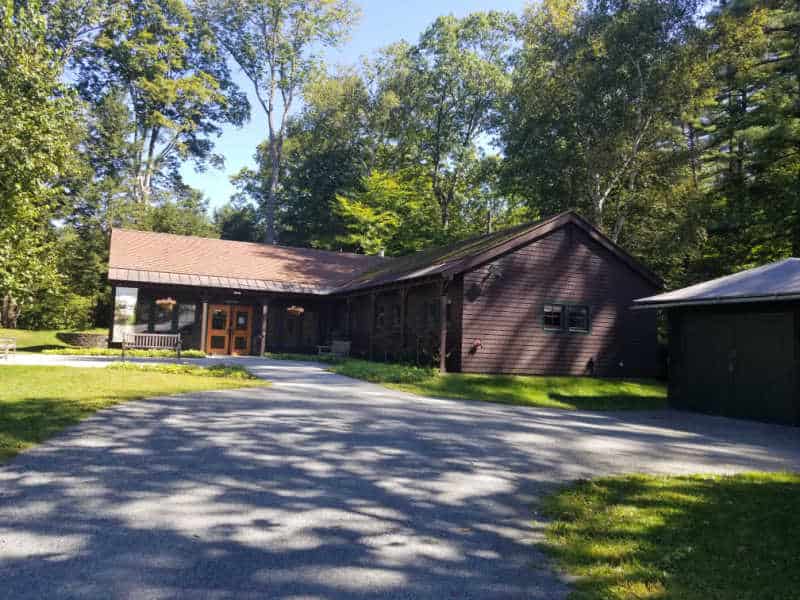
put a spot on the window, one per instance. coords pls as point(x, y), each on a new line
point(186, 316)
point(219, 319)
point(433, 312)
point(125, 304)
point(553, 317)
point(241, 320)
point(578, 319)
point(395, 315)
point(380, 317)
point(162, 321)
point(566, 317)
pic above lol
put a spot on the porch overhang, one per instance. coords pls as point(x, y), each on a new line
point(136, 276)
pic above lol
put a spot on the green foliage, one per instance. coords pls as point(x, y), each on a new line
point(384, 372)
point(38, 402)
point(275, 44)
point(60, 310)
point(752, 133)
point(165, 67)
point(238, 221)
point(389, 215)
point(671, 124)
point(444, 94)
point(688, 538)
point(133, 353)
point(226, 371)
point(38, 132)
point(302, 357)
point(603, 91)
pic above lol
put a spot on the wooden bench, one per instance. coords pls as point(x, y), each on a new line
point(8, 346)
point(151, 341)
point(337, 349)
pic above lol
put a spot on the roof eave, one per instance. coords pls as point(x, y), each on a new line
point(544, 228)
point(640, 305)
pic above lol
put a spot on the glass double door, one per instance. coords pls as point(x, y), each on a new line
point(230, 329)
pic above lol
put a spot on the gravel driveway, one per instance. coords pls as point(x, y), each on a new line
point(324, 487)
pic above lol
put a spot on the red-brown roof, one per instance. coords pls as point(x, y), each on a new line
point(470, 253)
point(146, 257)
point(159, 258)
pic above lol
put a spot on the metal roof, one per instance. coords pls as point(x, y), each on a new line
point(467, 254)
point(165, 259)
point(159, 258)
point(774, 282)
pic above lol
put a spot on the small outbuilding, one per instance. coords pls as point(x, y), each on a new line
point(734, 344)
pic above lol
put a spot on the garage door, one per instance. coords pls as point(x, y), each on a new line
point(707, 343)
point(741, 365)
point(764, 384)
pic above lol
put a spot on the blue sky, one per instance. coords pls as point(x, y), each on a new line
point(382, 22)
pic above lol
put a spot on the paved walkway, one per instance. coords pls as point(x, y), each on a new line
point(324, 487)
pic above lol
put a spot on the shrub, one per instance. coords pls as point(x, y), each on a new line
point(58, 311)
point(385, 372)
point(118, 352)
point(227, 371)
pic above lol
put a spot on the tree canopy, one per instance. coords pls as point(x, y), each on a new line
point(673, 125)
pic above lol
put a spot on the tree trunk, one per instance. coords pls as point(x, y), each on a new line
point(9, 312)
point(275, 151)
point(269, 207)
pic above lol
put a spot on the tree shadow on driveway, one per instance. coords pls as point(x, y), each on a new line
point(323, 487)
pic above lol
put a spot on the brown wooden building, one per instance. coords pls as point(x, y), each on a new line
point(551, 297)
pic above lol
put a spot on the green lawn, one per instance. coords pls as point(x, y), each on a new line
point(681, 538)
point(586, 393)
point(36, 341)
point(37, 402)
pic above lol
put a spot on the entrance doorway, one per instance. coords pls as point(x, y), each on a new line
point(230, 329)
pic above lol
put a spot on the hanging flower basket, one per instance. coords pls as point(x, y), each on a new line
point(295, 310)
point(166, 302)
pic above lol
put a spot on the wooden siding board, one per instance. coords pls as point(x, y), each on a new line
point(502, 306)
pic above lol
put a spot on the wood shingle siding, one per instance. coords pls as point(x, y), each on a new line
point(502, 327)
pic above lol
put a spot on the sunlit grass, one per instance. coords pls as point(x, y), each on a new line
point(34, 341)
point(588, 393)
point(688, 538)
point(37, 402)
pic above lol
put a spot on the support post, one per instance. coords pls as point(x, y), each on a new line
point(264, 314)
point(113, 308)
point(348, 308)
point(443, 329)
point(403, 294)
point(371, 323)
point(204, 326)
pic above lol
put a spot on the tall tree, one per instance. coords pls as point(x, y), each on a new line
point(38, 134)
point(164, 65)
point(329, 146)
point(274, 42)
point(449, 88)
point(602, 91)
point(751, 135)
